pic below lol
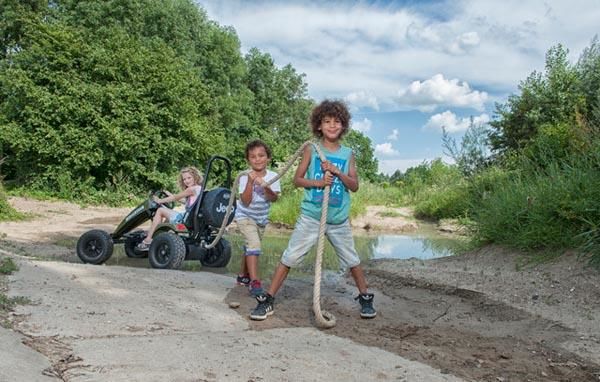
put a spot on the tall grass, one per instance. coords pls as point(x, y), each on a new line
point(554, 208)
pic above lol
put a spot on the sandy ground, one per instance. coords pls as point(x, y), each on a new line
point(483, 316)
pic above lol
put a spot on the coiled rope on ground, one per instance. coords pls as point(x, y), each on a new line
point(323, 318)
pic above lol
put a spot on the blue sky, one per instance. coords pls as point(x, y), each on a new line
point(407, 68)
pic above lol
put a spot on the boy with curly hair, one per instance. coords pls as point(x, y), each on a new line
point(330, 120)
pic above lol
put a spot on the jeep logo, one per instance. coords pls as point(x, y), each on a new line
point(221, 209)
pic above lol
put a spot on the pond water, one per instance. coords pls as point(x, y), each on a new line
point(427, 244)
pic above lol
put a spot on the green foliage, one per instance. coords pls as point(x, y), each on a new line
point(366, 163)
point(588, 70)
point(473, 153)
point(553, 97)
point(99, 100)
point(8, 266)
point(90, 113)
point(548, 209)
point(7, 212)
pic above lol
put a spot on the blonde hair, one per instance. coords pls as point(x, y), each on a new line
point(193, 171)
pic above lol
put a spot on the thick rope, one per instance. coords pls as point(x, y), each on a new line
point(324, 319)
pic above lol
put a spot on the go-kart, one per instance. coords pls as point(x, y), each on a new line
point(171, 243)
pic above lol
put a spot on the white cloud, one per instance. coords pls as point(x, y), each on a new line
point(438, 91)
point(362, 99)
point(385, 149)
point(363, 126)
point(393, 136)
point(369, 45)
point(449, 121)
point(464, 43)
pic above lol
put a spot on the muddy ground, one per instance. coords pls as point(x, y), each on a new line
point(482, 316)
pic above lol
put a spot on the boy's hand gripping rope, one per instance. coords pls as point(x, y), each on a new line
point(323, 318)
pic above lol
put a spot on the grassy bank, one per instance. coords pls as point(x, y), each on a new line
point(7, 267)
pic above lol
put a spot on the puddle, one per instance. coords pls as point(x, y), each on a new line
point(426, 244)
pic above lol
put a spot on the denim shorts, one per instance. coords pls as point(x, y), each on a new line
point(176, 217)
point(306, 234)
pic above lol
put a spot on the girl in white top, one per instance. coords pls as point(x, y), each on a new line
point(189, 181)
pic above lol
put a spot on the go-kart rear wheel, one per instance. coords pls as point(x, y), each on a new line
point(131, 242)
point(95, 247)
point(167, 251)
point(218, 256)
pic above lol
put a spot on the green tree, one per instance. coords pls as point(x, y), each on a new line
point(280, 104)
point(100, 112)
point(545, 98)
point(473, 153)
point(588, 69)
point(366, 163)
point(14, 16)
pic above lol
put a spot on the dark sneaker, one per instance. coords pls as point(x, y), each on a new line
point(366, 305)
point(243, 280)
point(256, 288)
point(264, 307)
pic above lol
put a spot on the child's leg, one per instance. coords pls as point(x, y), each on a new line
point(340, 236)
point(279, 277)
point(359, 279)
point(252, 248)
point(161, 214)
point(305, 236)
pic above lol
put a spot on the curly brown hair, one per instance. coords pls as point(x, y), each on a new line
point(257, 143)
point(330, 108)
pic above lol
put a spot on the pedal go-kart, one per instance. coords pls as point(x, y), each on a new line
point(171, 243)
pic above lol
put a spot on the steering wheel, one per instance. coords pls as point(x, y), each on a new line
point(161, 194)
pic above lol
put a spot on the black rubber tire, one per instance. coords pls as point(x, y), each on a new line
point(218, 256)
point(131, 242)
point(95, 247)
point(167, 251)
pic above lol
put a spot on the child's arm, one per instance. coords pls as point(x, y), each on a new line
point(246, 195)
point(270, 195)
point(300, 181)
point(350, 180)
point(182, 201)
point(175, 197)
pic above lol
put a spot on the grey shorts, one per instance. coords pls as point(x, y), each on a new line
point(306, 234)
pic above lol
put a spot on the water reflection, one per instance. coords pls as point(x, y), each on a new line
point(421, 246)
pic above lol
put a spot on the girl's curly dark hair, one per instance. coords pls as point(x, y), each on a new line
point(329, 108)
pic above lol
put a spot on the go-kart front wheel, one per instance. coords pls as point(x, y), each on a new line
point(218, 256)
point(95, 247)
point(167, 251)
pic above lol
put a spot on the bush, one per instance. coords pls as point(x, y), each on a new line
point(555, 208)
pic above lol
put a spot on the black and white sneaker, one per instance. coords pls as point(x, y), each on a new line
point(264, 308)
point(366, 305)
point(243, 280)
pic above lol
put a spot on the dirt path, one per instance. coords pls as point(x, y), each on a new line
point(478, 317)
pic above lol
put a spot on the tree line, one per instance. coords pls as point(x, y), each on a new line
point(116, 96)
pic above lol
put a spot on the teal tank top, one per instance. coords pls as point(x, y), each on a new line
point(339, 197)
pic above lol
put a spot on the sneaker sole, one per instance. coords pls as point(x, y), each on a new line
point(261, 318)
point(362, 315)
